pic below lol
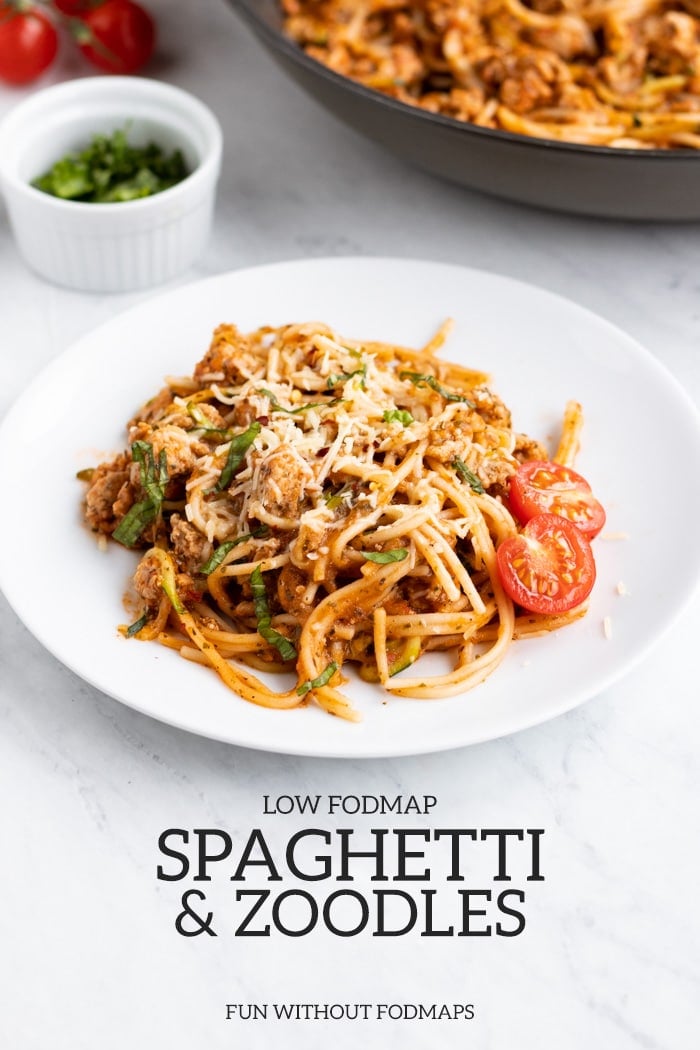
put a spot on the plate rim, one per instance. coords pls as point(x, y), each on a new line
point(572, 698)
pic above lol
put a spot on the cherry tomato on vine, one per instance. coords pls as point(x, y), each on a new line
point(71, 7)
point(119, 36)
point(28, 44)
point(541, 487)
point(548, 567)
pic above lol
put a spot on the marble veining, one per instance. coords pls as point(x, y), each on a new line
point(610, 955)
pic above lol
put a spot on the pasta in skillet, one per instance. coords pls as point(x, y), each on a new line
point(622, 73)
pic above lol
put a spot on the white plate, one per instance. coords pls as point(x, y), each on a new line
point(541, 351)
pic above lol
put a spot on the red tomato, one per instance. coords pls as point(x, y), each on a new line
point(28, 44)
point(120, 36)
point(548, 567)
point(540, 487)
point(71, 7)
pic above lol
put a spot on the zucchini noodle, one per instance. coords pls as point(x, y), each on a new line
point(622, 73)
point(304, 501)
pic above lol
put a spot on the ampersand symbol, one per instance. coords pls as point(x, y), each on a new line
point(202, 925)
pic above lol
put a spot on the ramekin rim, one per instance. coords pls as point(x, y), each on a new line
point(208, 165)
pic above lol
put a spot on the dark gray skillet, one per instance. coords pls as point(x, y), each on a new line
point(589, 180)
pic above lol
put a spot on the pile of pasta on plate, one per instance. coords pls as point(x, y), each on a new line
point(305, 501)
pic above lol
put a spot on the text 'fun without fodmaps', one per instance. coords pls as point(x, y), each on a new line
point(350, 1011)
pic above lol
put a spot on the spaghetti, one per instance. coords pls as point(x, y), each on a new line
point(305, 500)
point(622, 73)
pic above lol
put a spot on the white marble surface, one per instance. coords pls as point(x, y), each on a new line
point(88, 953)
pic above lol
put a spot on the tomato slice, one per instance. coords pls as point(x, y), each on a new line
point(548, 567)
point(541, 487)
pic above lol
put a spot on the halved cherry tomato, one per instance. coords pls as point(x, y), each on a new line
point(548, 567)
point(541, 487)
point(28, 44)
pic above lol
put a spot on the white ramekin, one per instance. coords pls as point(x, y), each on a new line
point(109, 247)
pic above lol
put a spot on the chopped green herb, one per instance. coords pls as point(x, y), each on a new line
point(262, 615)
point(154, 480)
point(215, 560)
point(236, 454)
point(109, 170)
point(420, 379)
point(134, 522)
point(154, 483)
point(468, 475)
point(386, 557)
point(204, 423)
point(398, 415)
point(86, 474)
point(277, 407)
point(316, 683)
point(334, 499)
point(343, 377)
point(134, 628)
point(220, 553)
